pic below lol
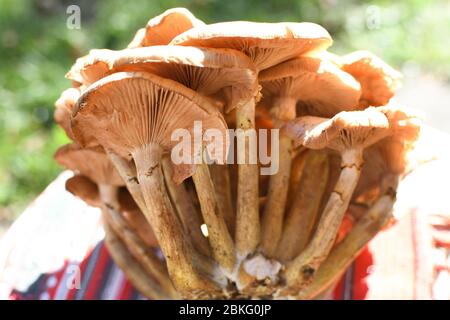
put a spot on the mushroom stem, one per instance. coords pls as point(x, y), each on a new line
point(248, 229)
point(128, 173)
point(272, 221)
point(346, 251)
point(219, 238)
point(189, 216)
point(168, 230)
point(221, 179)
point(134, 271)
point(283, 109)
point(302, 269)
point(108, 195)
point(303, 213)
point(297, 170)
point(143, 254)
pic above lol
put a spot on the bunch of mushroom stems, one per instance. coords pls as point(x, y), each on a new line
point(224, 230)
point(97, 182)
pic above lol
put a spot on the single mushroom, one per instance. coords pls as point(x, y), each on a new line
point(349, 133)
point(161, 29)
point(267, 44)
point(389, 156)
point(314, 84)
point(318, 86)
point(379, 81)
point(134, 114)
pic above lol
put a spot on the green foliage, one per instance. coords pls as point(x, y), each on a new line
point(36, 49)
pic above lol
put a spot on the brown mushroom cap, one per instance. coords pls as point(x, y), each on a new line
point(316, 84)
point(346, 130)
point(79, 76)
point(125, 111)
point(379, 81)
point(84, 188)
point(389, 155)
point(64, 106)
point(161, 29)
point(90, 162)
point(224, 74)
point(267, 44)
point(405, 123)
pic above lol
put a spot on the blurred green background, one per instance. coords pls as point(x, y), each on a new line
point(36, 50)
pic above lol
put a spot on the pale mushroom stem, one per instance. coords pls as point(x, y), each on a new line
point(304, 211)
point(109, 195)
point(272, 221)
point(301, 270)
point(346, 251)
point(283, 109)
point(176, 247)
point(134, 271)
point(221, 179)
point(128, 174)
point(143, 254)
point(248, 228)
point(189, 216)
point(219, 238)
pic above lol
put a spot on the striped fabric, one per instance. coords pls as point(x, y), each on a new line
point(96, 278)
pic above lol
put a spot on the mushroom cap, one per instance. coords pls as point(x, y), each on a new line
point(64, 106)
point(379, 81)
point(128, 110)
point(224, 74)
point(84, 188)
point(390, 155)
point(346, 130)
point(267, 44)
point(90, 162)
point(161, 29)
point(315, 84)
point(79, 76)
point(405, 123)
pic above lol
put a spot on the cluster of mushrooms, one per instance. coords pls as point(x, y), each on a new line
point(222, 230)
